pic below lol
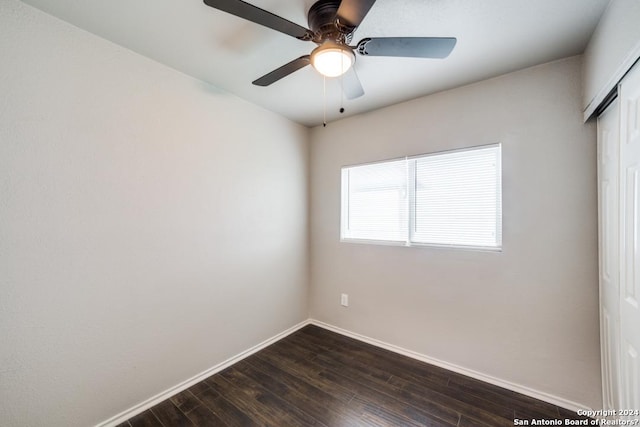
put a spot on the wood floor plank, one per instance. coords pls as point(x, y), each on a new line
point(170, 415)
point(284, 349)
point(376, 371)
point(185, 401)
point(380, 390)
point(472, 406)
point(466, 421)
point(420, 395)
point(368, 391)
point(395, 413)
point(244, 400)
point(201, 416)
point(309, 373)
point(518, 402)
point(198, 388)
point(312, 343)
point(227, 412)
point(273, 410)
point(320, 405)
point(145, 419)
point(397, 364)
point(291, 353)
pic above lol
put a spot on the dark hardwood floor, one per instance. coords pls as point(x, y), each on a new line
point(315, 377)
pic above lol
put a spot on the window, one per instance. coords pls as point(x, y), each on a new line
point(446, 199)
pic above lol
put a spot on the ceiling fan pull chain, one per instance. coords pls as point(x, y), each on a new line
point(342, 87)
point(324, 101)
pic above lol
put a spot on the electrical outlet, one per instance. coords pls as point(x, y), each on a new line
point(344, 300)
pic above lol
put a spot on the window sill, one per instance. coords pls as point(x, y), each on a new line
point(421, 245)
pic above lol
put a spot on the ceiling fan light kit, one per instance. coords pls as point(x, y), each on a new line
point(332, 59)
point(332, 24)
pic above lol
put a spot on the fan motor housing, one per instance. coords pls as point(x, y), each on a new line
point(323, 22)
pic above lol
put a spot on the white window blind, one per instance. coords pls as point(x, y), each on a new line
point(375, 201)
point(457, 198)
point(450, 198)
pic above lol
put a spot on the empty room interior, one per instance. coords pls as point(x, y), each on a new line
point(356, 213)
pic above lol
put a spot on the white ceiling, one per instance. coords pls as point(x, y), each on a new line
point(494, 37)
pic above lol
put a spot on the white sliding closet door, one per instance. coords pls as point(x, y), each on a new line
point(608, 171)
point(629, 92)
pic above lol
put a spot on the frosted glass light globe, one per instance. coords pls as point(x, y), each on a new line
point(332, 59)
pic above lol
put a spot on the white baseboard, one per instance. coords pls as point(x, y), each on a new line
point(152, 401)
point(536, 394)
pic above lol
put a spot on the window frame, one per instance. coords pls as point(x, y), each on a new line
point(411, 204)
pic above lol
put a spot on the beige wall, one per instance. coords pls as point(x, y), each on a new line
point(150, 225)
point(528, 314)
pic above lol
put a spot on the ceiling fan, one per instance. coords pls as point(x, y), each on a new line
point(332, 24)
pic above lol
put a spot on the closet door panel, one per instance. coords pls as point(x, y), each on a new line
point(608, 215)
point(630, 237)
